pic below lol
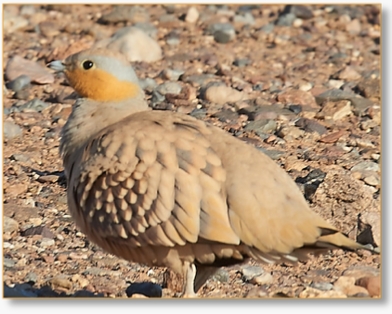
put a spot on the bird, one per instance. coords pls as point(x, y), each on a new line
point(165, 189)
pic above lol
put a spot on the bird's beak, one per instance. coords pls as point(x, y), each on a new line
point(57, 66)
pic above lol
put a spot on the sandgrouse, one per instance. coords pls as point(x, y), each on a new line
point(165, 189)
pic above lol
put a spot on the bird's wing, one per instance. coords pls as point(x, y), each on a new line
point(152, 179)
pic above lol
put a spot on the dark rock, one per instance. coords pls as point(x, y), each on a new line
point(149, 289)
point(310, 126)
point(286, 19)
point(19, 83)
point(42, 230)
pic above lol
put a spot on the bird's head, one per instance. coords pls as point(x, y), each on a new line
point(100, 74)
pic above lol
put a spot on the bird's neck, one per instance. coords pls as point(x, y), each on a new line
point(89, 117)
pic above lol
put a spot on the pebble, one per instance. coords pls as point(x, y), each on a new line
point(289, 131)
point(19, 83)
point(366, 165)
point(359, 271)
point(35, 104)
point(192, 15)
point(315, 293)
point(370, 88)
point(17, 66)
point(16, 189)
point(8, 262)
point(349, 74)
point(301, 11)
point(286, 19)
point(148, 289)
point(347, 285)
point(335, 110)
point(249, 272)
point(256, 292)
point(297, 97)
point(267, 28)
point(310, 125)
point(173, 41)
point(354, 27)
point(221, 275)
point(45, 242)
point(171, 74)
point(242, 62)
point(31, 277)
point(245, 18)
point(272, 153)
point(226, 116)
point(324, 286)
point(372, 284)
point(13, 23)
point(10, 225)
point(61, 281)
point(126, 13)
point(169, 88)
point(263, 279)
point(148, 84)
point(134, 44)
point(27, 10)
point(148, 28)
point(372, 180)
point(335, 83)
point(40, 230)
point(221, 94)
point(261, 126)
point(223, 32)
point(11, 130)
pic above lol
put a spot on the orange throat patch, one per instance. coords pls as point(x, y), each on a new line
point(100, 86)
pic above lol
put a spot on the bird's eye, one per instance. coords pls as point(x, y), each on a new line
point(87, 64)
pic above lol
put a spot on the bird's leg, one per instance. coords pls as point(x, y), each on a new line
point(189, 274)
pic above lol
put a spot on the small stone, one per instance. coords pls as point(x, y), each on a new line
point(347, 285)
point(370, 88)
point(249, 272)
point(14, 23)
point(16, 189)
point(169, 88)
point(372, 180)
point(315, 293)
point(8, 262)
point(61, 281)
point(354, 27)
point(359, 271)
point(148, 28)
point(223, 32)
point(272, 153)
point(221, 275)
point(126, 13)
point(35, 221)
point(261, 126)
point(301, 11)
point(263, 279)
point(36, 105)
point(134, 44)
point(226, 116)
point(40, 230)
point(286, 19)
point(192, 15)
point(49, 29)
point(45, 242)
point(310, 125)
point(48, 178)
point(48, 259)
point(245, 18)
point(62, 258)
point(297, 97)
point(335, 83)
point(298, 22)
point(17, 66)
point(148, 84)
point(242, 62)
point(148, 289)
point(324, 286)
point(11, 130)
point(76, 256)
point(31, 277)
point(335, 110)
point(256, 292)
point(349, 74)
point(366, 165)
point(21, 82)
point(372, 284)
point(172, 75)
point(221, 94)
point(10, 225)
